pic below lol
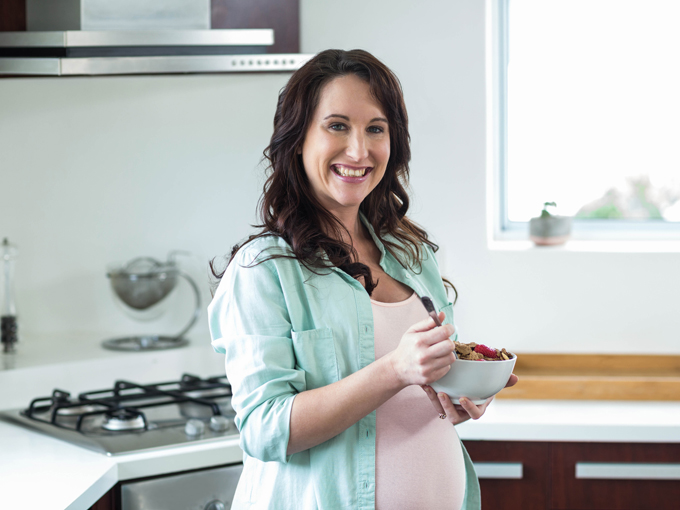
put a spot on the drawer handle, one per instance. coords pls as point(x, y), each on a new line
point(627, 471)
point(509, 470)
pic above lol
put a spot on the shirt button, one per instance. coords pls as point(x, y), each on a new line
point(408, 275)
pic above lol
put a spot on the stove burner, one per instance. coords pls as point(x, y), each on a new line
point(123, 420)
point(144, 343)
point(71, 414)
point(76, 410)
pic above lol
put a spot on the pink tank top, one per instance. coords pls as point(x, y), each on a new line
point(419, 462)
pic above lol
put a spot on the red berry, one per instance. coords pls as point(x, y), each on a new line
point(486, 351)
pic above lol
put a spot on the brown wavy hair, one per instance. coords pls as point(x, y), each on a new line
point(288, 207)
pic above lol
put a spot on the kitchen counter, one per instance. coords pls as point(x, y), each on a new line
point(73, 478)
point(38, 471)
point(576, 420)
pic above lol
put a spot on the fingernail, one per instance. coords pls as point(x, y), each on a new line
point(463, 401)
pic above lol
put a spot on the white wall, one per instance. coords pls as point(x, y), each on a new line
point(99, 170)
point(530, 301)
point(96, 170)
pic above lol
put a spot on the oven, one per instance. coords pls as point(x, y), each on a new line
point(209, 489)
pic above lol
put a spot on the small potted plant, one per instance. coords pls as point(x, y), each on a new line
point(549, 229)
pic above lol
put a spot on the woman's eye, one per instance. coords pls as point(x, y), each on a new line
point(376, 129)
point(337, 127)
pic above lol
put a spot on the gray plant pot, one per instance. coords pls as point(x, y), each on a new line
point(550, 230)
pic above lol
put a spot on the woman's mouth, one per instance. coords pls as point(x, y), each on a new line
point(345, 171)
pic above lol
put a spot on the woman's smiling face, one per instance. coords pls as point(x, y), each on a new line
point(347, 145)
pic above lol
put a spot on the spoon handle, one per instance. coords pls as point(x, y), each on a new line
point(429, 306)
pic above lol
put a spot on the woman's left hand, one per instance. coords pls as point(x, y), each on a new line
point(459, 413)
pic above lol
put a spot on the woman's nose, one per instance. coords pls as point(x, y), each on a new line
point(357, 148)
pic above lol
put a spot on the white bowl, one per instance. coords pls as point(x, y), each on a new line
point(476, 380)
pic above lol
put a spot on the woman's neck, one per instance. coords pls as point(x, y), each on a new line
point(360, 238)
point(352, 222)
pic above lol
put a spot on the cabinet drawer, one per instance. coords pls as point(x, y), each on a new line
point(627, 476)
point(512, 475)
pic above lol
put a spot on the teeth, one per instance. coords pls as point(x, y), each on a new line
point(349, 172)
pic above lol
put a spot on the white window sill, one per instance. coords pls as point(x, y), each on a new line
point(591, 246)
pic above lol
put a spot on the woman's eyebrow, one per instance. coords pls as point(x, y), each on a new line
point(345, 117)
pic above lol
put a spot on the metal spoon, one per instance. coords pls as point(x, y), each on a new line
point(429, 306)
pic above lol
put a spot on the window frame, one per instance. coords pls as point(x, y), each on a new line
point(504, 229)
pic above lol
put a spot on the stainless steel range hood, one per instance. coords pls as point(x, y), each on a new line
point(101, 37)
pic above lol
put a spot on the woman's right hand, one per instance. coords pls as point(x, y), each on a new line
point(424, 354)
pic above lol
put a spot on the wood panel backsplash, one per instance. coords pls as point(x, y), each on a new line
point(596, 377)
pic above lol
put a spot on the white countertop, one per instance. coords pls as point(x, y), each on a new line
point(53, 475)
point(74, 478)
point(37, 471)
point(576, 420)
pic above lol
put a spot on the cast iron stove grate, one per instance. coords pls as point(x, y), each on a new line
point(131, 416)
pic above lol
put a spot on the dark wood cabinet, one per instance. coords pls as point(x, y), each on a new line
point(569, 492)
point(283, 16)
point(109, 501)
point(548, 478)
point(580, 476)
point(12, 15)
point(531, 492)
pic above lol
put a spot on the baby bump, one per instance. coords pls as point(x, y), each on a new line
point(419, 459)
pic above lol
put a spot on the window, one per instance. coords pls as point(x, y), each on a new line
point(589, 115)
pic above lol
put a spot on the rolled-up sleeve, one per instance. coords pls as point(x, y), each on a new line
point(250, 324)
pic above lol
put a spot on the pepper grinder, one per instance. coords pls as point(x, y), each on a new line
point(8, 325)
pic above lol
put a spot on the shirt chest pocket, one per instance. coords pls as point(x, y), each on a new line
point(315, 354)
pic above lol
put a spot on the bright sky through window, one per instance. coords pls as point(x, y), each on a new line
point(594, 108)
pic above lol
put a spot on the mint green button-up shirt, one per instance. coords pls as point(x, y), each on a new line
point(284, 330)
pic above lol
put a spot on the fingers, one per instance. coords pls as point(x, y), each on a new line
point(425, 352)
point(470, 410)
point(431, 334)
point(482, 408)
point(432, 395)
point(434, 361)
point(473, 411)
point(440, 348)
point(437, 357)
point(512, 381)
point(437, 335)
point(452, 414)
point(425, 325)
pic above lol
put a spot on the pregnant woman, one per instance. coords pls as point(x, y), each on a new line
point(327, 346)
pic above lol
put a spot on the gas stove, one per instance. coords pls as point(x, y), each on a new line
point(131, 417)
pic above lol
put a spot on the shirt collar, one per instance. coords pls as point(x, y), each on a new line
point(377, 241)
